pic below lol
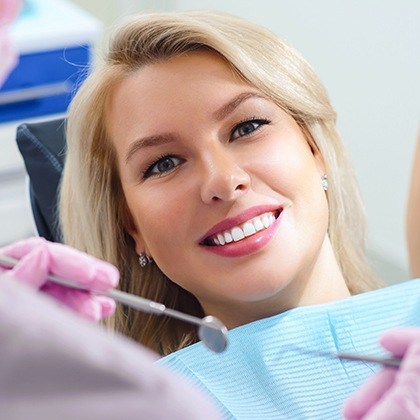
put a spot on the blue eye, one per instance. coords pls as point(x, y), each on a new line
point(247, 127)
point(162, 165)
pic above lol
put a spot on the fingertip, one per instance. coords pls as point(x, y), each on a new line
point(398, 340)
point(108, 306)
point(90, 309)
point(106, 276)
point(79, 301)
point(83, 268)
point(350, 409)
point(361, 401)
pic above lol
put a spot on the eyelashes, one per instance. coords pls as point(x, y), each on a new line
point(166, 163)
point(161, 165)
point(247, 127)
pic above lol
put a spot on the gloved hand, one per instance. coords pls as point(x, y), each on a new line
point(38, 258)
point(391, 393)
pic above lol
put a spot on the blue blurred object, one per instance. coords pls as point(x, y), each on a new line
point(29, 8)
point(54, 39)
point(43, 83)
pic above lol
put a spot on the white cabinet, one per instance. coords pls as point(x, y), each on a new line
point(15, 214)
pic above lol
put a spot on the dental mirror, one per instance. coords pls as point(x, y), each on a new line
point(210, 330)
point(213, 333)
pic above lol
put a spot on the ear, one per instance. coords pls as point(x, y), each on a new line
point(138, 239)
point(319, 159)
point(132, 229)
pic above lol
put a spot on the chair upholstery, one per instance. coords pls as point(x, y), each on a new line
point(42, 146)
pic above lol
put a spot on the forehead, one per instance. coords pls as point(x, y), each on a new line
point(189, 66)
point(199, 76)
point(158, 95)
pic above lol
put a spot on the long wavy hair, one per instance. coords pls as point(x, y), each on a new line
point(93, 210)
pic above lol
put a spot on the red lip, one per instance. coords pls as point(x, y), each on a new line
point(238, 220)
point(249, 245)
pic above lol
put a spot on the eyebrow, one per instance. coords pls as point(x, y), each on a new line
point(227, 109)
point(220, 114)
point(149, 141)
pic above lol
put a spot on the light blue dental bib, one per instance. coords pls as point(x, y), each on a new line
point(259, 377)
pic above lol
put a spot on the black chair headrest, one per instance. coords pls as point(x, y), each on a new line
point(42, 146)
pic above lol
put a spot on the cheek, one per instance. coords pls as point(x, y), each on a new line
point(159, 218)
point(288, 165)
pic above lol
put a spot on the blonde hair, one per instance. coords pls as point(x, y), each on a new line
point(93, 211)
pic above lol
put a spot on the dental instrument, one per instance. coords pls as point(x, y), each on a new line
point(394, 362)
point(211, 331)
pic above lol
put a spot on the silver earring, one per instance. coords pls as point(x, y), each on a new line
point(144, 260)
point(324, 182)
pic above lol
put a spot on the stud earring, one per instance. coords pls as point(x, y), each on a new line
point(144, 260)
point(324, 182)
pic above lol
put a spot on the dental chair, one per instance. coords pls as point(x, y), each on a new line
point(42, 146)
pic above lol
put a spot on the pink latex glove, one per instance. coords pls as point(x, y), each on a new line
point(9, 9)
point(391, 393)
point(38, 258)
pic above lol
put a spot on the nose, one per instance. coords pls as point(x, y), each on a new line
point(223, 179)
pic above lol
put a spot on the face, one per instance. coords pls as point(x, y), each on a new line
point(223, 189)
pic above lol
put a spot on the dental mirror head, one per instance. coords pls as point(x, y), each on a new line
point(210, 331)
point(213, 334)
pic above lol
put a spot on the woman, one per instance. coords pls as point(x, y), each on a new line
point(107, 230)
point(203, 161)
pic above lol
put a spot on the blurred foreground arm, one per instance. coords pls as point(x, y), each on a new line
point(391, 393)
point(413, 216)
point(55, 365)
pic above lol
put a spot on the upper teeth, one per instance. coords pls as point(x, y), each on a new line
point(248, 228)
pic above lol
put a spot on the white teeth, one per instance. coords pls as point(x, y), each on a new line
point(237, 234)
point(249, 228)
point(228, 237)
point(258, 225)
point(221, 239)
point(265, 221)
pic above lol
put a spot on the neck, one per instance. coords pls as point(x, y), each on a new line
point(325, 282)
point(321, 282)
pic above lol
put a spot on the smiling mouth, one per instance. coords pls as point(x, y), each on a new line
point(244, 230)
